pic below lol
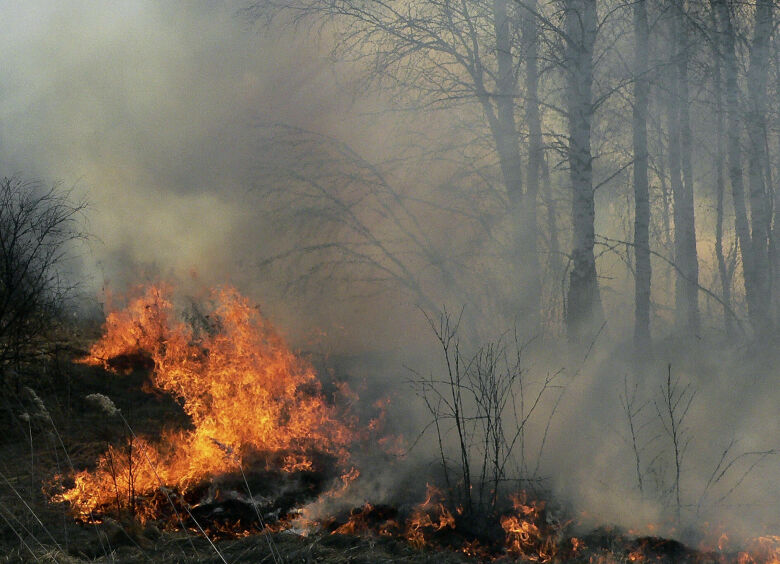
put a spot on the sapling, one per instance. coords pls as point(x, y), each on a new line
point(672, 410)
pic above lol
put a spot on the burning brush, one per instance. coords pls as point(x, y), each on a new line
point(266, 441)
point(253, 404)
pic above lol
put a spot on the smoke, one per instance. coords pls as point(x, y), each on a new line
point(147, 109)
point(727, 450)
point(155, 112)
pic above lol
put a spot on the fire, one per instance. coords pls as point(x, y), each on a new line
point(430, 516)
point(245, 391)
point(524, 537)
point(253, 403)
point(434, 525)
point(764, 550)
point(370, 520)
point(357, 523)
point(723, 542)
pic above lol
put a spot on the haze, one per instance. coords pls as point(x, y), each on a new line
point(350, 184)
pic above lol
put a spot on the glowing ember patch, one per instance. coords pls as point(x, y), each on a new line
point(243, 388)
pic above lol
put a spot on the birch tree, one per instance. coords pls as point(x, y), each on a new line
point(583, 308)
point(752, 229)
point(757, 271)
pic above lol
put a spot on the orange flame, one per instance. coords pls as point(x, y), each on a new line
point(243, 388)
point(430, 516)
point(763, 550)
point(356, 524)
point(524, 537)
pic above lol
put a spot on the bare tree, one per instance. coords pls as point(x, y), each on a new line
point(348, 222)
point(485, 401)
point(583, 309)
point(641, 189)
point(753, 224)
point(539, 80)
point(757, 274)
point(447, 55)
point(726, 264)
point(681, 169)
point(37, 227)
point(536, 161)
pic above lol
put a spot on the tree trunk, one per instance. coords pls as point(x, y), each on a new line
point(720, 184)
point(774, 239)
point(675, 177)
point(641, 191)
point(504, 130)
point(535, 146)
point(688, 259)
point(664, 174)
point(555, 261)
point(681, 165)
point(760, 205)
point(733, 126)
point(583, 310)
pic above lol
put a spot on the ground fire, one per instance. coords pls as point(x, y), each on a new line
point(250, 400)
point(258, 412)
point(266, 439)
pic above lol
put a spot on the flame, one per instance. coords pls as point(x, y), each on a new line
point(369, 520)
point(245, 391)
point(762, 550)
point(356, 523)
point(250, 398)
point(430, 516)
point(524, 536)
point(432, 525)
point(723, 542)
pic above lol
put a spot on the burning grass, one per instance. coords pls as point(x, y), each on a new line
point(264, 439)
point(521, 532)
point(251, 401)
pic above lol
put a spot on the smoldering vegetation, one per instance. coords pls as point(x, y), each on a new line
point(545, 230)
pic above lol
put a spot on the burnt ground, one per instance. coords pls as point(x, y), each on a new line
point(33, 452)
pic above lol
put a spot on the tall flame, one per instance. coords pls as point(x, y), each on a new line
point(245, 391)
